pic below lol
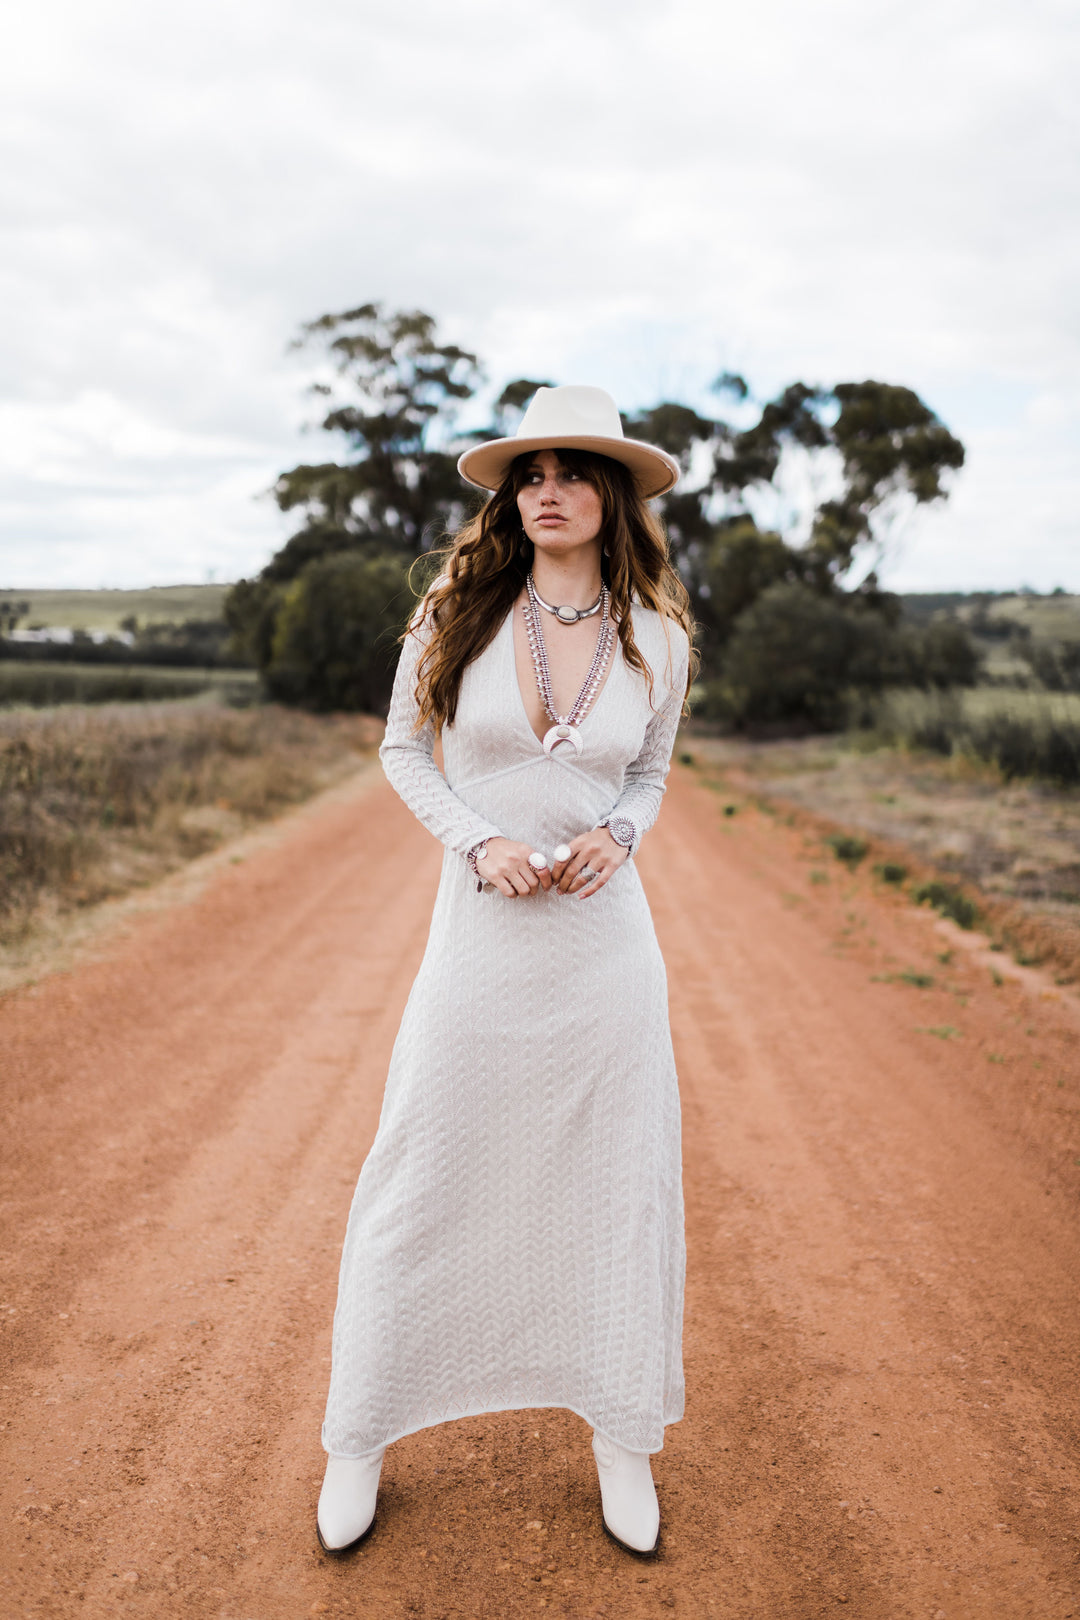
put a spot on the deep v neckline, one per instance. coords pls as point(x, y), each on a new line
point(508, 631)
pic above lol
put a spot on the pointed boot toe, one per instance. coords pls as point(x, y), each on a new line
point(347, 1500)
point(631, 1511)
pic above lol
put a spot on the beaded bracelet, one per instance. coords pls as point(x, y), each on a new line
point(475, 854)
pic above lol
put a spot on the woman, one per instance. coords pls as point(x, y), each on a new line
point(516, 1238)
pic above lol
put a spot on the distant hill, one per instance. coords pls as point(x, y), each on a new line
point(989, 615)
point(992, 613)
point(104, 610)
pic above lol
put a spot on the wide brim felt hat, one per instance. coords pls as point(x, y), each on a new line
point(571, 418)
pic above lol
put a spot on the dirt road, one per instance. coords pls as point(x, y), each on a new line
point(883, 1188)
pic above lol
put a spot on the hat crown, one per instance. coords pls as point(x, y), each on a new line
point(575, 411)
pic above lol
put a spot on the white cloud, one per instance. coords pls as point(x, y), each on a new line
point(618, 193)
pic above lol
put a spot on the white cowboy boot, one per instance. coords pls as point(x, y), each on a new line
point(631, 1511)
point(347, 1500)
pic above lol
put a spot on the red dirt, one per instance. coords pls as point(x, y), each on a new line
point(882, 1325)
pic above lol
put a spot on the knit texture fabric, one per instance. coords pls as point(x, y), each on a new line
point(516, 1236)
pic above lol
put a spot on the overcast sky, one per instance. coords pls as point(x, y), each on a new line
point(632, 195)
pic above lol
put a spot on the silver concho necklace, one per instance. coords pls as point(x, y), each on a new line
point(566, 614)
point(565, 726)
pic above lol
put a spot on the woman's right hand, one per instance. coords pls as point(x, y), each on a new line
point(506, 864)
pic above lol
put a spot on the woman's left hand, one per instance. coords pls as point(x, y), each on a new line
point(593, 852)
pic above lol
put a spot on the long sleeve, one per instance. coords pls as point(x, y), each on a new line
point(645, 781)
point(407, 759)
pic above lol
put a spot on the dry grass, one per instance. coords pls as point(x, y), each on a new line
point(1015, 846)
point(97, 801)
point(1024, 734)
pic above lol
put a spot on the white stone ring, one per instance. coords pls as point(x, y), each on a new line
point(563, 852)
point(538, 861)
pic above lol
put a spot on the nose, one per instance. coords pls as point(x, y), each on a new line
point(549, 490)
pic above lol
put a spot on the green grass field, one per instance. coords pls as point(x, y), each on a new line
point(104, 610)
point(37, 684)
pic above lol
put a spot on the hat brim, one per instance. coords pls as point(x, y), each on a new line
point(655, 472)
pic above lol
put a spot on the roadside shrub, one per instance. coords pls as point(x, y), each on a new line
point(848, 849)
point(335, 640)
point(791, 655)
point(1025, 734)
point(949, 900)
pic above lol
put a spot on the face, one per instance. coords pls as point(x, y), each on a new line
point(559, 509)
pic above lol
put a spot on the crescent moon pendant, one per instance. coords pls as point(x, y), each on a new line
point(560, 734)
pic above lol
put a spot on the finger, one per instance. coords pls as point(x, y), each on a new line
point(520, 883)
point(504, 886)
point(593, 887)
point(573, 868)
point(590, 873)
point(545, 879)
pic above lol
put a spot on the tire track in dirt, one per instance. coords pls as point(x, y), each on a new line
point(881, 1336)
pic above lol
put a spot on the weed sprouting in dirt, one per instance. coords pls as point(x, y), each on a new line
point(848, 849)
point(944, 1032)
point(891, 872)
point(949, 900)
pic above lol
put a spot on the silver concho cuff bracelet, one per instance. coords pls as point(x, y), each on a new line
point(621, 828)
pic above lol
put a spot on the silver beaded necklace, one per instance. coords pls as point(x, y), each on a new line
point(564, 727)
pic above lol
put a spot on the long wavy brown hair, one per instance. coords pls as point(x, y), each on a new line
point(484, 568)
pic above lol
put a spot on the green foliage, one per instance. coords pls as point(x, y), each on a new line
point(738, 563)
point(793, 654)
point(949, 900)
point(891, 872)
point(393, 401)
point(335, 634)
point(891, 445)
point(396, 383)
point(850, 850)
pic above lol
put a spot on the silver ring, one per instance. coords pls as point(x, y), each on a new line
point(538, 861)
point(588, 874)
point(563, 852)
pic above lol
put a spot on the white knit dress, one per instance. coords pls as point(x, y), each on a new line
point(516, 1236)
